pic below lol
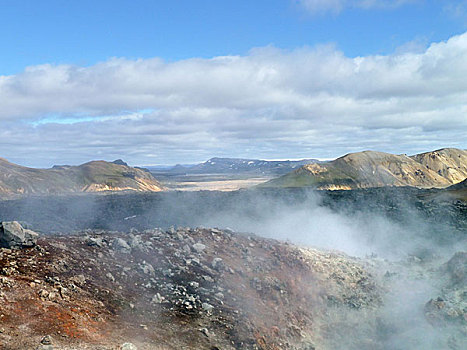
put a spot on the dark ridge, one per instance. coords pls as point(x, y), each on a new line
point(120, 162)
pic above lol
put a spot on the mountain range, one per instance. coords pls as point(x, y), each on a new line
point(438, 169)
point(95, 176)
point(238, 166)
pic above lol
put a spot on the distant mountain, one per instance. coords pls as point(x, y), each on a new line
point(241, 166)
point(95, 176)
point(367, 169)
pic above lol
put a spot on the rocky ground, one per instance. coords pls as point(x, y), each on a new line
point(176, 289)
point(216, 289)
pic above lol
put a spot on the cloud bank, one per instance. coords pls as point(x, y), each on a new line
point(271, 103)
point(336, 6)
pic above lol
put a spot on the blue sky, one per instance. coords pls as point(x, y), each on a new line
point(181, 81)
point(85, 32)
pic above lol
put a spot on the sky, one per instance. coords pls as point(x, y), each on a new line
point(166, 82)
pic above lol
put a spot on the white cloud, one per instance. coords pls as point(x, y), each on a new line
point(309, 102)
point(457, 9)
point(336, 6)
point(323, 6)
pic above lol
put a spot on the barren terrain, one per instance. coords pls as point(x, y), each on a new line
point(176, 289)
point(101, 276)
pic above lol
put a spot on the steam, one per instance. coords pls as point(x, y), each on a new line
point(410, 248)
point(390, 225)
point(362, 232)
point(402, 240)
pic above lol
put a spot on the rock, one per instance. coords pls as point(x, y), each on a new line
point(95, 242)
point(136, 242)
point(199, 247)
point(457, 267)
point(45, 347)
point(218, 264)
point(208, 278)
point(14, 236)
point(205, 331)
point(147, 268)
point(46, 343)
point(77, 279)
point(194, 284)
point(47, 340)
point(121, 245)
point(128, 346)
point(207, 307)
point(157, 299)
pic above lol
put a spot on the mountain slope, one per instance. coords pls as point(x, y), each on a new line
point(95, 176)
point(377, 169)
point(450, 163)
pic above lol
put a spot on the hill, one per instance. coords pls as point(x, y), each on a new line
point(367, 169)
point(450, 163)
point(95, 176)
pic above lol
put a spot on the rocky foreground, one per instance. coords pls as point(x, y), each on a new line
point(190, 289)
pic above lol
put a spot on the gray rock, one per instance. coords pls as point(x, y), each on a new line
point(78, 280)
point(208, 278)
point(95, 242)
point(147, 268)
point(207, 307)
point(14, 236)
point(47, 340)
point(121, 245)
point(199, 247)
point(205, 331)
point(46, 343)
point(457, 268)
point(157, 299)
point(45, 347)
point(194, 284)
point(218, 264)
point(135, 242)
point(128, 346)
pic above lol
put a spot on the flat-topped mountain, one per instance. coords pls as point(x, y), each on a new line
point(95, 176)
point(367, 169)
point(242, 166)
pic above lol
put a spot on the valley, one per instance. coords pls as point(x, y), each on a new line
point(209, 182)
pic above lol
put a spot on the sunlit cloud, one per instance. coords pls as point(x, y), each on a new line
point(271, 103)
